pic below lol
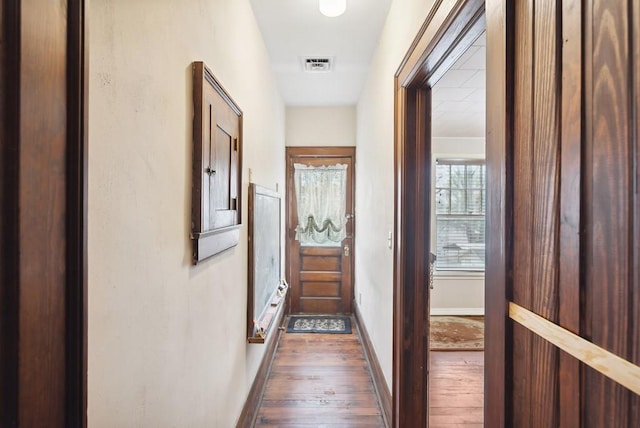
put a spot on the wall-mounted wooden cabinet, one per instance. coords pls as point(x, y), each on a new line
point(217, 166)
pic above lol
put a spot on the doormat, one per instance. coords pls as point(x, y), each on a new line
point(319, 324)
point(456, 333)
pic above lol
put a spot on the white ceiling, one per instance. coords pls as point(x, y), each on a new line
point(293, 29)
point(296, 28)
point(459, 96)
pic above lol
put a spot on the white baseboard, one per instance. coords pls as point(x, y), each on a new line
point(457, 311)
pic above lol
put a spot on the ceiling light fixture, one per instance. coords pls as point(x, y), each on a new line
point(332, 8)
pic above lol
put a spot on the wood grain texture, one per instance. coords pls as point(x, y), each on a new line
point(43, 199)
point(536, 199)
point(635, 292)
point(319, 380)
point(500, 174)
point(456, 396)
point(523, 203)
point(606, 363)
point(569, 269)
point(546, 198)
point(574, 199)
point(412, 237)
point(42, 202)
point(609, 268)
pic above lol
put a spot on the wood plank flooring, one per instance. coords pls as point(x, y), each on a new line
point(319, 380)
point(323, 380)
point(456, 397)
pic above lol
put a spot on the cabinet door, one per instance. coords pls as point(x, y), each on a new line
point(216, 168)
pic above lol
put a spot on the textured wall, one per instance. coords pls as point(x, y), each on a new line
point(374, 172)
point(167, 341)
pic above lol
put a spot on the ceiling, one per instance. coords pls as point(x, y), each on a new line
point(294, 29)
point(459, 96)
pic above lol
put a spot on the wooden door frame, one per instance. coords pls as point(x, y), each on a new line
point(19, 395)
point(290, 221)
point(449, 29)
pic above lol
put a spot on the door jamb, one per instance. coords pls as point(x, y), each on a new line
point(448, 31)
point(73, 313)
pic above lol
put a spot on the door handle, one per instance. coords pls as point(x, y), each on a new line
point(432, 264)
point(346, 251)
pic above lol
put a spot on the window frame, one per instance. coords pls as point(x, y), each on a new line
point(466, 161)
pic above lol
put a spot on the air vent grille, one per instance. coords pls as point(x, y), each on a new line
point(317, 64)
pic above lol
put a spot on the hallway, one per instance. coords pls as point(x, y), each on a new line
point(324, 380)
point(319, 380)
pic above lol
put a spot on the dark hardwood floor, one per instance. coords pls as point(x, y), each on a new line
point(319, 380)
point(456, 397)
point(323, 380)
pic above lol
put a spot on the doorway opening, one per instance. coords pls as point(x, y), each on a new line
point(457, 220)
point(439, 193)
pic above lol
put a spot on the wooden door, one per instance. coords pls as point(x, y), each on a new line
point(562, 342)
point(43, 137)
point(563, 221)
point(320, 277)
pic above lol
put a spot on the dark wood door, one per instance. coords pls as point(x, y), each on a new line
point(320, 276)
point(562, 342)
point(563, 253)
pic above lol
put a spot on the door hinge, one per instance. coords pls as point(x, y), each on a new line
point(235, 144)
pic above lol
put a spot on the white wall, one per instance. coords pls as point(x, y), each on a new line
point(456, 293)
point(321, 126)
point(374, 172)
point(167, 340)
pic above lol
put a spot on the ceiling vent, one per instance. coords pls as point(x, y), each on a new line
point(317, 64)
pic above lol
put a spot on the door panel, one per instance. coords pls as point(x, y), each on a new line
point(320, 276)
point(536, 148)
point(316, 295)
point(563, 210)
point(315, 289)
point(566, 207)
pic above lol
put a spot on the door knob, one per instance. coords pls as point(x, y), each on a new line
point(346, 251)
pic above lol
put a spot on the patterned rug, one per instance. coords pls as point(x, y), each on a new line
point(457, 333)
point(319, 324)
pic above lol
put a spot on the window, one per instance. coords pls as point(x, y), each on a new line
point(460, 214)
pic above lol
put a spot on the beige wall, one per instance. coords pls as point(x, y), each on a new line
point(321, 126)
point(374, 172)
point(167, 340)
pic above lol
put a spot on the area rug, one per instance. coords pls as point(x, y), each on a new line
point(319, 324)
point(457, 333)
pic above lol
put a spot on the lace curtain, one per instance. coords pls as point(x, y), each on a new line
point(321, 199)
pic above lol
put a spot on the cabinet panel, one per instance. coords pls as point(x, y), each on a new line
point(217, 158)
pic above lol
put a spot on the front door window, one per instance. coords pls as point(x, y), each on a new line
point(321, 201)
